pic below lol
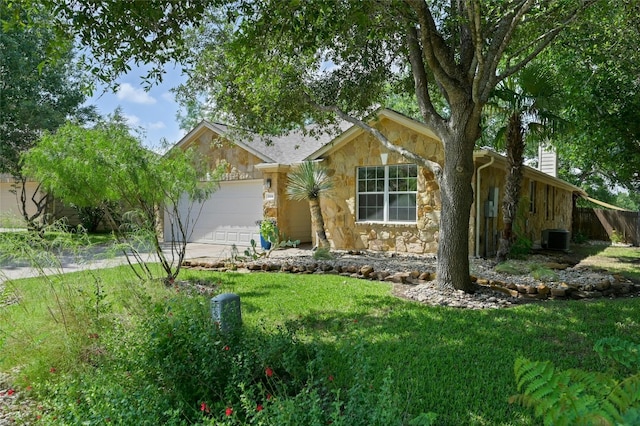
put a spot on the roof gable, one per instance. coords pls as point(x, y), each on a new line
point(354, 131)
point(291, 148)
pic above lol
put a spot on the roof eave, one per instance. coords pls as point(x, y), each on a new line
point(537, 174)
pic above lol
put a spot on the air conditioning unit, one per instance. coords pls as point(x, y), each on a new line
point(555, 239)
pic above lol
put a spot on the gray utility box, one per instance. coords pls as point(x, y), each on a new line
point(226, 312)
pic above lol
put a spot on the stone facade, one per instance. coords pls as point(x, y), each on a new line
point(236, 163)
point(547, 204)
point(339, 210)
point(543, 206)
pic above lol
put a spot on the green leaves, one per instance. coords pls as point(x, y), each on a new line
point(580, 397)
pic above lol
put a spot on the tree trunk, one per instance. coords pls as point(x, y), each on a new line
point(317, 223)
point(457, 196)
point(513, 184)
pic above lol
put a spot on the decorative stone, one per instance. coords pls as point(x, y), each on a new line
point(531, 290)
point(543, 289)
point(482, 281)
point(366, 270)
point(603, 285)
point(398, 278)
point(558, 292)
point(425, 276)
point(557, 266)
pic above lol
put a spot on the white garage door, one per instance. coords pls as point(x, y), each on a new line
point(228, 217)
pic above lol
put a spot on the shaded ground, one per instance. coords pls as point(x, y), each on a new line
point(615, 259)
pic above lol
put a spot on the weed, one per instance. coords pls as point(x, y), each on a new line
point(509, 268)
point(542, 273)
point(322, 253)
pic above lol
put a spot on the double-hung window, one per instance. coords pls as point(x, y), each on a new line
point(387, 193)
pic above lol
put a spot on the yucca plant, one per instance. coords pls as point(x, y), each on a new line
point(309, 181)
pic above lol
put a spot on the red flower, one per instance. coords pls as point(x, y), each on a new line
point(10, 392)
point(204, 407)
point(228, 411)
point(268, 371)
point(52, 370)
point(269, 396)
point(259, 407)
point(29, 388)
point(226, 348)
point(331, 378)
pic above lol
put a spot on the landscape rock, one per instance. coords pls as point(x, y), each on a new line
point(492, 289)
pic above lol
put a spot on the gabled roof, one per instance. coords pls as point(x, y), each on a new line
point(355, 131)
point(291, 148)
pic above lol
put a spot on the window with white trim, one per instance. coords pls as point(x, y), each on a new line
point(387, 193)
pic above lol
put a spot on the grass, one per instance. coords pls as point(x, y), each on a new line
point(622, 260)
point(456, 363)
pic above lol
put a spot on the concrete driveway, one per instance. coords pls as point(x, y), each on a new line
point(98, 258)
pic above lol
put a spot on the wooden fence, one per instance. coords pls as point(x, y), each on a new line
point(599, 224)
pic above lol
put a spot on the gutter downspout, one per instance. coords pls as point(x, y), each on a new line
point(478, 186)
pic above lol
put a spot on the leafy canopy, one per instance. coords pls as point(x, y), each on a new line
point(35, 95)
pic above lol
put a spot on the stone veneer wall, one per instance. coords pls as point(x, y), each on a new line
point(532, 223)
point(560, 208)
point(238, 163)
point(339, 210)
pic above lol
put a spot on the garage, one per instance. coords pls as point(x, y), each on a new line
point(228, 217)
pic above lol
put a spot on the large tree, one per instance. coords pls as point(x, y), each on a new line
point(35, 95)
point(596, 65)
point(277, 65)
point(280, 65)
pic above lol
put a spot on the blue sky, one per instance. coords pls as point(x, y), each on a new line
point(153, 111)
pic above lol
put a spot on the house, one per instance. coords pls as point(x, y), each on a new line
point(380, 201)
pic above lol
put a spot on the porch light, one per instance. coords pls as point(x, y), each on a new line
point(383, 158)
point(267, 183)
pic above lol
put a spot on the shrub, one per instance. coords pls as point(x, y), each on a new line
point(509, 268)
point(174, 367)
point(616, 237)
point(520, 248)
point(322, 253)
point(582, 397)
point(542, 273)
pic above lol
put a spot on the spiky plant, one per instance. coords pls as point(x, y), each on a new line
point(309, 181)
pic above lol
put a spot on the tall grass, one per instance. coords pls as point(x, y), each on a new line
point(340, 350)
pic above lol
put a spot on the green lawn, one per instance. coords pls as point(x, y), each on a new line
point(455, 363)
point(623, 260)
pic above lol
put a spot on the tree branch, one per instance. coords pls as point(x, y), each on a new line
point(436, 53)
point(433, 166)
point(421, 82)
point(542, 42)
point(502, 36)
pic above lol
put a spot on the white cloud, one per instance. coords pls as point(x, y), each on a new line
point(132, 120)
point(129, 93)
point(168, 96)
point(157, 125)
